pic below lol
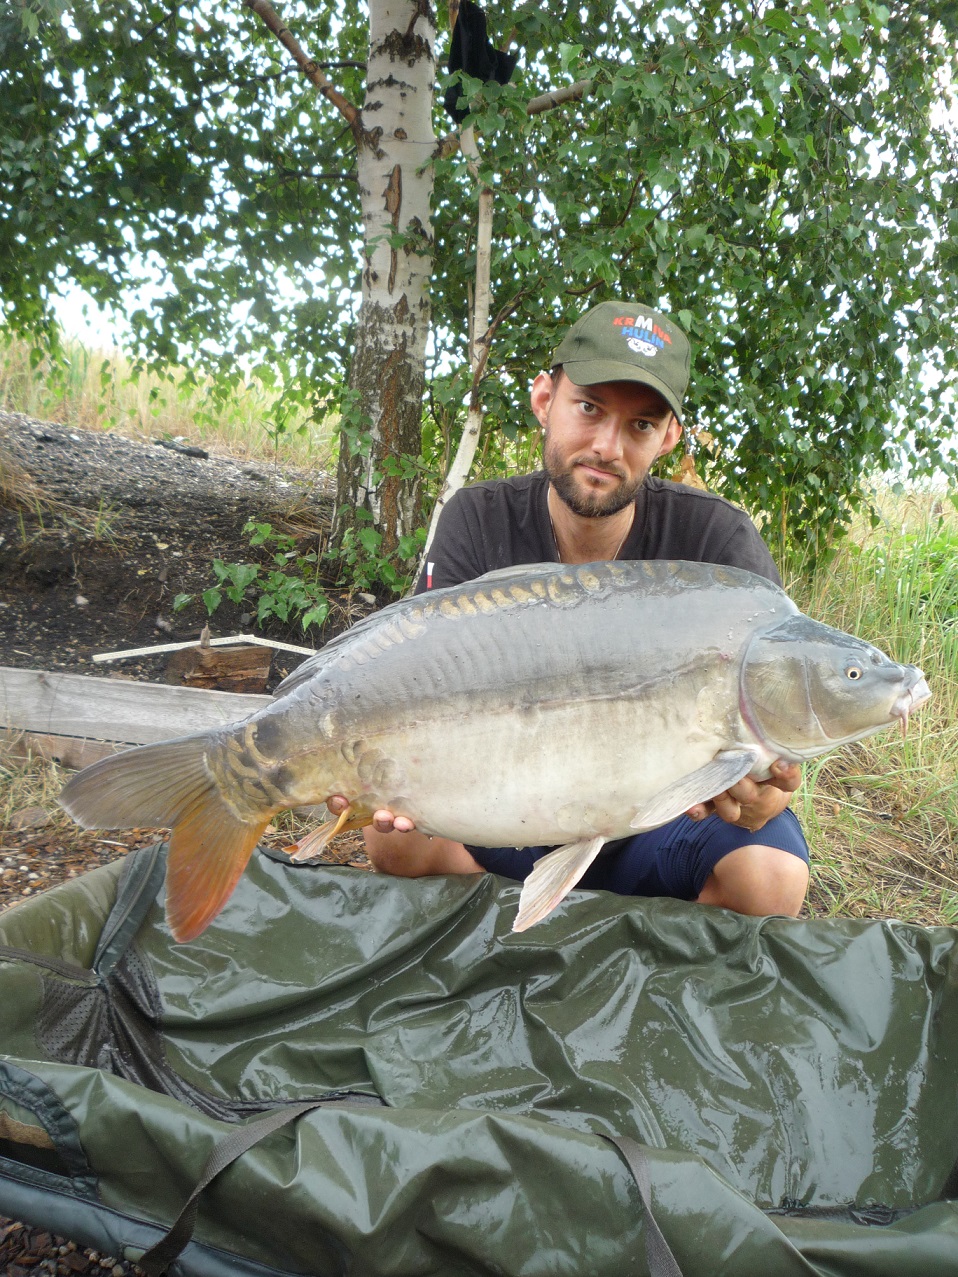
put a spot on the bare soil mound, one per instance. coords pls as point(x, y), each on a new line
point(100, 533)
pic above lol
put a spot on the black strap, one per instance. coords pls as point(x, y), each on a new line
point(155, 1262)
point(59, 966)
point(159, 1257)
point(140, 880)
point(661, 1261)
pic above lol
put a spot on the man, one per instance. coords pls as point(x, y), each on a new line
point(611, 406)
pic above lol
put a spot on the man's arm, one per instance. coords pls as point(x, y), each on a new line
point(750, 804)
point(456, 551)
point(393, 844)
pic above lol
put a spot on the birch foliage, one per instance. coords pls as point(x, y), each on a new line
point(779, 176)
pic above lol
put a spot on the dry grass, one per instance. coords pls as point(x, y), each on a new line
point(882, 814)
point(28, 786)
point(33, 505)
point(101, 390)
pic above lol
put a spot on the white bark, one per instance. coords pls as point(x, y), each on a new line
point(396, 141)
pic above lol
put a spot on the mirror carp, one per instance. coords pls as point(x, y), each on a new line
point(545, 704)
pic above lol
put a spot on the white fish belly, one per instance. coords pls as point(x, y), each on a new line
point(537, 775)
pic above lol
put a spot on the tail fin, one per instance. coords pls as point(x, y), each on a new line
point(169, 785)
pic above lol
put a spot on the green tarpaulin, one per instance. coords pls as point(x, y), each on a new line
point(793, 1083)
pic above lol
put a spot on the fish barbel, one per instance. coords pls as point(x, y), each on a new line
point(545, 704)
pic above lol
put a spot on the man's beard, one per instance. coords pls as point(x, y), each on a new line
point(590, 505)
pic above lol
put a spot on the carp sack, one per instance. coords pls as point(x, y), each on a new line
point(545, 704)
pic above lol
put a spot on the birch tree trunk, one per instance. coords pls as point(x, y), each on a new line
point(396, 141)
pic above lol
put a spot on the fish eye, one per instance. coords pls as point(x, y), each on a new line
point(854, 672)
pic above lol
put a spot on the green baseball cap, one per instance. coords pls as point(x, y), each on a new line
point(625, 341)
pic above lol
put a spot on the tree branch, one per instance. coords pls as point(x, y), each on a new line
point(548, 101)
point(309, 67)
point(449, 144)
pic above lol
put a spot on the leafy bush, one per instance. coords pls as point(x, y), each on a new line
point(290, 589)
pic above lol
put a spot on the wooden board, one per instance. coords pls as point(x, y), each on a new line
point(118, 711)
point(72, 752)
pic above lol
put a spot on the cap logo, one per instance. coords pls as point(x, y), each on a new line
point(642, 334)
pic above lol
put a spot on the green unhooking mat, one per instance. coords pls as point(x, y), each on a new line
point(348, 1073)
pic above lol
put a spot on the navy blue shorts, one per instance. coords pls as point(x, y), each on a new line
point(674, 860)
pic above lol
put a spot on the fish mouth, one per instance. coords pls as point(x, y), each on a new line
point(911, 699)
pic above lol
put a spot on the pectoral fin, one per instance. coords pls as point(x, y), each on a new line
point(553, 878)
point(724, 770)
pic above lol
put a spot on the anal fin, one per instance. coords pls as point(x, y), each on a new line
point(553, 878)
point(352, 818)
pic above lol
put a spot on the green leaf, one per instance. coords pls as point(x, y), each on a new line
point(569, 53)
point(212, 598)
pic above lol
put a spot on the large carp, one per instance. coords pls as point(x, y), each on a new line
point(538, 705)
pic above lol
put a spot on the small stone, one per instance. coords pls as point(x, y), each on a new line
point(76, 1262)
point(80, 601)
point(29, 818)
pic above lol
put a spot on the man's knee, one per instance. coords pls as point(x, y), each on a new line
point(757, 880)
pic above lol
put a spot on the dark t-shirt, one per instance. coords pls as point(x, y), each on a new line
point(505, 522)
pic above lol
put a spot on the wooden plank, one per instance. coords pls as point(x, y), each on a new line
point(110, 709)
point(69, 751)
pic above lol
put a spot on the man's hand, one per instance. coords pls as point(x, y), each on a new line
point(752, 803)
point(384, 822)
point(412, 854)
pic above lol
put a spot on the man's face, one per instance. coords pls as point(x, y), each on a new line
point(600, 441)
